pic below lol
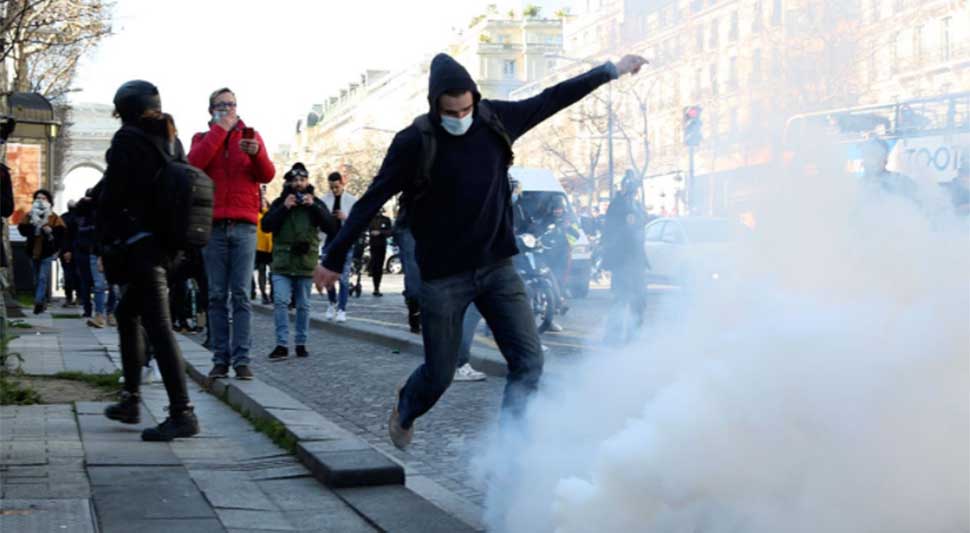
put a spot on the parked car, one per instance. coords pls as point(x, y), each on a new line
point(689, 251)
point(539, 186)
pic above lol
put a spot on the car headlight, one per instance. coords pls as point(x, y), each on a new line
point(528, 239)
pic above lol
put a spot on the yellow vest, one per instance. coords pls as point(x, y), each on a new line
point(264, 241)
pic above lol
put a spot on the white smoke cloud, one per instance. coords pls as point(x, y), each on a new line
point(824, 388)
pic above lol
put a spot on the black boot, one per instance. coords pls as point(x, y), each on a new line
point(414, 315)
point(126, 410)
point(179, 425)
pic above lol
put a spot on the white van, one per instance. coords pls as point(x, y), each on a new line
point(539, 185)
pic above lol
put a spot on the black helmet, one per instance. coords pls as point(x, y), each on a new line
point(630, 182)
point(135, 97)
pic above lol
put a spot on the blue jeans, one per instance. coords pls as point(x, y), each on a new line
point(498, 292)
point(229, 258)
point(42, 279)
point(344, 283)
point(100, 284)
point(468, 326)
point(409, 262)
point(285, 288)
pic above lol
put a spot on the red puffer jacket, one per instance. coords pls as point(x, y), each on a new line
point(236, 174)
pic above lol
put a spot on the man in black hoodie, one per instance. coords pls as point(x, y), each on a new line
point(461, 217)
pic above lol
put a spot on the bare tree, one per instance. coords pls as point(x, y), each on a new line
point(45, 39)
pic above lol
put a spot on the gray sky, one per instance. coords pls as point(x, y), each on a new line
point(279, 57)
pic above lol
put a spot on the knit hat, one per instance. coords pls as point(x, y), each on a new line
point(298, 169)
point(44, 192)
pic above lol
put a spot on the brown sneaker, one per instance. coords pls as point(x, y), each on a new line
point(399, 436)
point(243, 372)
point(219, 371)
point(111, 320)
point(97, 322)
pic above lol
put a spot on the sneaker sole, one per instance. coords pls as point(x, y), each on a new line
point(147, 438)
point(126, 420)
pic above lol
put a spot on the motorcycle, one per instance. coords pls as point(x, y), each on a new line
point(540, 283)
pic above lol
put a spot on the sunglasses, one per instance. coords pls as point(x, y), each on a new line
point(223, 105)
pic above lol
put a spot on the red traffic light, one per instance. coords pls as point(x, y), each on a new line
point(693, 111)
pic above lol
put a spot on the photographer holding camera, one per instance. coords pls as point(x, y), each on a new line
point(295, 220)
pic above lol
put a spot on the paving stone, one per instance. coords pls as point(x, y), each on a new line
point(231, 490)
point(129, 452)
point(395, 508)
point(97, 427)
point(69, 515)
point(194, 525)
point(139, 493)
point(349, 468)
point(268, 520)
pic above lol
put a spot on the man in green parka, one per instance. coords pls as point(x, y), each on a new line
point(295, 219)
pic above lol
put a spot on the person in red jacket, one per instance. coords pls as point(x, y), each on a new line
point(235, 157)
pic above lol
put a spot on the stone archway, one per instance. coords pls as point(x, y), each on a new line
point(88, 129)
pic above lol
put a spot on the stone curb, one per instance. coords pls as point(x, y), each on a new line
point(483, 359)
point(336, 457)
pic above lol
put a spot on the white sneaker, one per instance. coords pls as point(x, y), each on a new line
point(341, 316)
point(331, 312)
point(466, 373)
point(555, 328)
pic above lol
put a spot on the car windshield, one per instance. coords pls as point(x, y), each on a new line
point(710, 230)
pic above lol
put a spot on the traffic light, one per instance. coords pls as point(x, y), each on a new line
point(692, 125)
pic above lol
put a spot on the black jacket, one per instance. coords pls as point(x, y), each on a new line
point(320, 216)
point(623, 233)
point(126, 204)
point(466, 220)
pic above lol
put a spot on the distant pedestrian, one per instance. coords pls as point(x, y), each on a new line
point(295, 219)
point(624, 256)
point(878, 180)
point(67, 256)
point(340, 203)
point(45, 232)
point(129, 222)
point(380, 231)
point(409, 265)
point(453, 165)
point(958, 189)
point(264, 254)
point(235, 157)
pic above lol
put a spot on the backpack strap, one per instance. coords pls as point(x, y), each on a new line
point(490, 118)
point(429, 150)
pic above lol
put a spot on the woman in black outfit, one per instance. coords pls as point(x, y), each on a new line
point(135, 260)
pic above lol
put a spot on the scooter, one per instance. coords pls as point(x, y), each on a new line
point(540, 283)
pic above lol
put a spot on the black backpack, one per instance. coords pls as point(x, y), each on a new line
point(421, 185)
point(181, 218)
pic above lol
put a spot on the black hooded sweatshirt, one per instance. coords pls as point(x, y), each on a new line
point(465, 222)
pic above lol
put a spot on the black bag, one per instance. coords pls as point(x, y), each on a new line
point(182, 218)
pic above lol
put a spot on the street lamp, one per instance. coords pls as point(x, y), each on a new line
point(609, 114)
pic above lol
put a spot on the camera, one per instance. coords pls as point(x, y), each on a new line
point(300, 248)
point(299, 197)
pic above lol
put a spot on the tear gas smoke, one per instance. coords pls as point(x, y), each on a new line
point(823, 387)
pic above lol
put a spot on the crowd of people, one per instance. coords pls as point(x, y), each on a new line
point(125, 263)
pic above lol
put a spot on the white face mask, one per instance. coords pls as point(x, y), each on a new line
point(457, 126)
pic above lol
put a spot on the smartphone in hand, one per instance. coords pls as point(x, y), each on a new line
point(249, 133)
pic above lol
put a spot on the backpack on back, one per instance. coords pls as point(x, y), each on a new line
point(184, 198)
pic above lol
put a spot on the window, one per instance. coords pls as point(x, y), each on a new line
point(733, 73)
point(776, 13)
point(871, 68)
point(733, 124)
point(672, 234)
point(894, 53)
point(508, 68)
point(733, 32)
point(757, 18)
point(696, 6)
point(756, 65)
point(700, 38)
point(712, 70)
point(875, 10)
point(918, 42)
point(945, 39)
point(655, 231)
point(898, 6)
point(697, 83)
point(714, 33)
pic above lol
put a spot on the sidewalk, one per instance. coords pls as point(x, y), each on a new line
point(67, 468)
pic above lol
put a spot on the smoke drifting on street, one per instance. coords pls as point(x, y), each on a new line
point(823, 386)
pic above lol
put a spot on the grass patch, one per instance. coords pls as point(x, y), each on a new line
point(271, 428)
point(105, 382)
point(25, 299)
point(18, 324)
point(13, 393)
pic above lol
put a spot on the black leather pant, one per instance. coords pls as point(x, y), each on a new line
point(145, 303)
